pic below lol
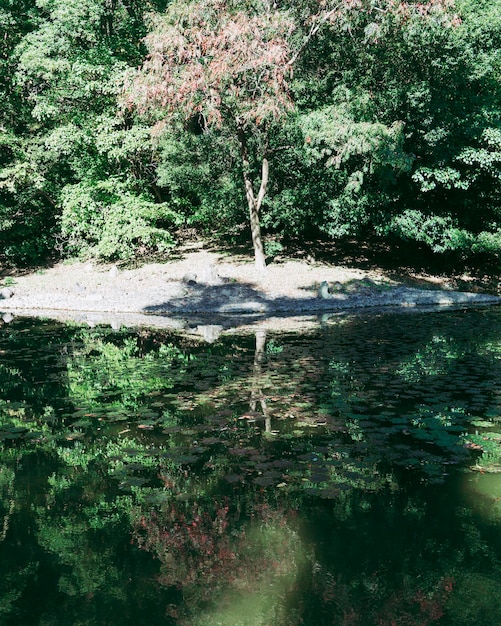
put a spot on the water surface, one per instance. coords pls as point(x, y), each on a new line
point(344, 475)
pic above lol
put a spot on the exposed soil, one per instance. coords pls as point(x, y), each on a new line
point(200, 281)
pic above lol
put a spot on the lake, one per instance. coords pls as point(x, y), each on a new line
point(347, 473)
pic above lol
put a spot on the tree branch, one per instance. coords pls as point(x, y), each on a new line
point(45, 195)
point(315, 27)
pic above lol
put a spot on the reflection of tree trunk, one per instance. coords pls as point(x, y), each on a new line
point(254, 203)
point(256, 391)
point(6, 520)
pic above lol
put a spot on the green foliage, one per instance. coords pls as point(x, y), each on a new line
point(334, 136)
point(440, 232)
point(100, 368)
point(441, 166)
point(64, 76)
point(206, 191)
point(106, 220)
point(384, 138)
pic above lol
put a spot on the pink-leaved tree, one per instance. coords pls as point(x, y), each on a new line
point(229, 63)
point(226, 66)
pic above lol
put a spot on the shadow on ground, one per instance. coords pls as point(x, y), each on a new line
point(210, 309)
point(233, 297)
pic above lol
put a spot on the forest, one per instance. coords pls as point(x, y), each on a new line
point(126, 123)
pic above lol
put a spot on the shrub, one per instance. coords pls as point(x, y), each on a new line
point(107, 220)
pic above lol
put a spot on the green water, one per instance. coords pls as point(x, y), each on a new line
point(344, 475)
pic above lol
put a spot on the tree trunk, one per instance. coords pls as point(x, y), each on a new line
point(254, 203)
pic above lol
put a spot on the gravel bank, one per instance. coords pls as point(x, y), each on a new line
point(204, 283)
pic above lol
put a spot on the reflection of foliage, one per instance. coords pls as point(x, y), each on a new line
point(416, 403)
point(100, 369)
point(492, 349)
point(433, 360)
point(17, 422)
point(131, 462)
point(83, 538)
point(193, 546)
point(7, 502)
point(78, 455)
point(489, 444)
point(407, 606)
point(153, 433)
point(8, 377)
point(12, 586)
point(386, 578)
point(476, 595)
point(87, 569)
point(206, 550)
point(274, 347)
point(83, 525)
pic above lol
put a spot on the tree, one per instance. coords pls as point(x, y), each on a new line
point(326, 116)
point(63, 148)
point(224, 67)
point(228, 65)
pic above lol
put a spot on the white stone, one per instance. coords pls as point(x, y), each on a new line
point(6, 293)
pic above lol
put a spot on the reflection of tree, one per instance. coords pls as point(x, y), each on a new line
point(119, 373)
point(415, 393)
point(257, 394)
point(367, 572)
point(33, 377)
point(85, 570)
point(210, 497)
point(206, 550)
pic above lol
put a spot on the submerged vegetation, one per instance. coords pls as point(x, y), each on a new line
point(123, 122)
